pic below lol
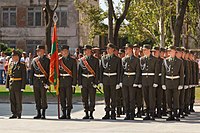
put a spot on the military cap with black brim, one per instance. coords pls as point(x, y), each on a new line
point(121, 51)
point(146, 46)
point(16, 53)
point(172, 48)
point(64, 47)
point(110, 45)
point(87, 47)
point(128, 45)
point(156, 48)
point(40, 47)
point(136, 46)
point(162, 49)
point(178, 49)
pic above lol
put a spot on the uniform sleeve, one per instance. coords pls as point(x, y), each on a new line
point(23, 76)
point(74, 72)
point(7, 80)
point(96, 71)
point(31, 73)
point(79, 74)
point(47, 70)
point(118, 70)
point(181, 73)
point(122, 71)
point(163, 70)
point(156, 77)
point(101, 71)
point(138, 72)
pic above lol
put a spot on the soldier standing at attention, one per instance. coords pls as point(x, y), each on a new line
point(110, 79)
point(39, 77)
point(159, 90)
point(88, 76)
point(150, 72)
point(129, 81)
point(172, 82)
point(68, 79)
point(15, 83)
point(119, 97)
point(139, 96)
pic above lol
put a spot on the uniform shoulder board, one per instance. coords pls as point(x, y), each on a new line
point(73, 57)
point(96, 57)
point(22, 62)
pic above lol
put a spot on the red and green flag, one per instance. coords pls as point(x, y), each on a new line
point(54, 66)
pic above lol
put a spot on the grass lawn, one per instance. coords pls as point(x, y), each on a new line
point(29, 91)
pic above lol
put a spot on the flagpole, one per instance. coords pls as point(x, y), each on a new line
point(55, 19)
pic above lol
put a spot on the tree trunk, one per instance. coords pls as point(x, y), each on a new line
point(110, 22)
point(162, 24)
point(179, 23)
point(198, 27)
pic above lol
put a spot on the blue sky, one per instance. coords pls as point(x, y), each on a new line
point(103, 6)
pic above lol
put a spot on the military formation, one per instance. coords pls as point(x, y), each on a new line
point(141, 82)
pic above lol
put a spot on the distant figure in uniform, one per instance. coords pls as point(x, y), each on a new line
point(110, 79)
point(39, 78)
point(129, 81)
point(88, 77)
point(150, 74)
point(68, 79)
point(172, 82)
point(15, 83)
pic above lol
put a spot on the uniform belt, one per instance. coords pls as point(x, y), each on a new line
point(160, 74)
point(148, 74)
point(15, 79)
point(172, 77)
point(64, 74)
point(39, 75)
point(110, 74)
point(129, 73)
point(87, 75)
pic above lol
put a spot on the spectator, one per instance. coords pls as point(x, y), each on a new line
point(2, 72)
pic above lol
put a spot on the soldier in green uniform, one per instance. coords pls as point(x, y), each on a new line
point(139, 96)
point(39, 77)
point(129, 81)
point(150, 75)
point(15, 83)
point(110, 79)
point(172, 82)
point(159, 90)
point(88, 77)
point(68, 79)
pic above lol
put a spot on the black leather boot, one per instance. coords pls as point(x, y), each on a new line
point(192, 107)
point(171, 117)
point(64, 114)
point(147, 117)
point(107, 116)
point(176, 116)
point(127, 116)
point(113, 115)
point(68, 114)
point(91, 115)
point(86, 115)
point(43, 114)
point(38, 116)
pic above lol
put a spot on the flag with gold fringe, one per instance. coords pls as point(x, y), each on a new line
point(54, 66)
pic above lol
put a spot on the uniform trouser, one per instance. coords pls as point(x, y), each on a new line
point(129, 98)
point(172, 99)
point(187, 97)
point(149, 93)
point(159, 97)
point(66, 93)
point(119, 98)
point(16, 102)
point(40, 97)
point(88, 92)
point(181, 99)
point(192, 97)
point(110, 97)
point(164, 101)
point(139, 97)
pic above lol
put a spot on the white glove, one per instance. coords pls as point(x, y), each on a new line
point(46, 86)
point(7, 89)
point(155, 85)
point(73, 86)
point(95, 86)
point(180, 87)
point(135, 85)
point(139, 86)
point(190, 86)
point(101, 85)
point(120, 84)
point(164, 87)
point(186, 87)
point(117, 87)
point(22, 90)
point(31, 86)
point(80, 86)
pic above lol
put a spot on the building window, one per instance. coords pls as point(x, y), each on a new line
point(62, 16)
point(31, 45)
point(34, 16)
point(61, 42)
point(9, 16)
